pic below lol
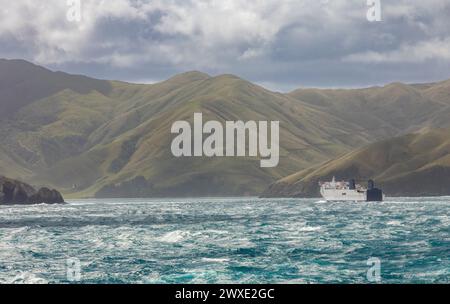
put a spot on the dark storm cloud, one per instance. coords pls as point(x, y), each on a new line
point(279, 44)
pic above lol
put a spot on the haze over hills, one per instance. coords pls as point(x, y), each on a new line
point(92, 137)
point(416, 164)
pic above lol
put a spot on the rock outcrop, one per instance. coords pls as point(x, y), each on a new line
point(14, 192)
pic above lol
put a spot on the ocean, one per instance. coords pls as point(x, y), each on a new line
point(227, 240)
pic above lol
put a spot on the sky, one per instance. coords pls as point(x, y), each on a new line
point(281, 45)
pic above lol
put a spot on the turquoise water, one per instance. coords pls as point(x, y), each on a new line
point(226, 241)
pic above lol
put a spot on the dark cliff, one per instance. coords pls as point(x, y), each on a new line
point(14, 192)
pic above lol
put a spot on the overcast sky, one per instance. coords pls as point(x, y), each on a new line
point(279, 44)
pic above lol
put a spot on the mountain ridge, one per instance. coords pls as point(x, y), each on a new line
point(110, 137)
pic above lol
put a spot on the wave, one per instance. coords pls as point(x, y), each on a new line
point(174, 236)
point(215, 260)
point(25, 278)
point(254, 242)
point(309, 229)
point(45, 222)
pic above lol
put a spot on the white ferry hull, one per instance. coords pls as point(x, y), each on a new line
point(336, 195)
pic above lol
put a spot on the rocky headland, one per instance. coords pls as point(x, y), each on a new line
point(13, 192)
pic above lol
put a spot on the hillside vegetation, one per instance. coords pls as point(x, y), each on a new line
point(101, 138)
point(412, 165)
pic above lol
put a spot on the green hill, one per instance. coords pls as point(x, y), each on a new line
point(385, 111)
point(412, 165)
point(92, 137)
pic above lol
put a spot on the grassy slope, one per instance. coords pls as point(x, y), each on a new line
point(384, 111)
point(416, 164)
point(147, 142)
point(89, 133)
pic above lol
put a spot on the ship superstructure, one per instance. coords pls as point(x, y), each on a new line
point(339, 191)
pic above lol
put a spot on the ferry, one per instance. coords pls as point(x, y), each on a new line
point(349, 191)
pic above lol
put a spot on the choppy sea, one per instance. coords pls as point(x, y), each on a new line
point(229, 240)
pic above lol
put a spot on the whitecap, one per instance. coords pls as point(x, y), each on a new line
point(173, 237)
point(27, 278)
point(216, 260)
point(309, 229)
point(216, 231)
point(394, 223)
point(153, 278)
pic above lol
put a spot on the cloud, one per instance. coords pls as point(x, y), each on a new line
point(284, 43)
point(423, 51)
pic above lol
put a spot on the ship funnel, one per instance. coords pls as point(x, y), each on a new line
point(352, 184)
point(371, 185)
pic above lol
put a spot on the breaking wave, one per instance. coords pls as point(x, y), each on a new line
point(226, 241)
